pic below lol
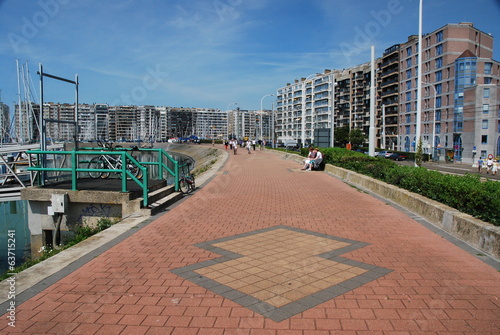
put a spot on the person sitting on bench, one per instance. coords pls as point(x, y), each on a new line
point(314, 163)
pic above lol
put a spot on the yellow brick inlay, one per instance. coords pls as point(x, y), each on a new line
point(280, 266)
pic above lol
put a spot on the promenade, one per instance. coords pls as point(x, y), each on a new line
point(266, 248)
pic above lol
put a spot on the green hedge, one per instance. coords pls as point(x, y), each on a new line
point(466, 193)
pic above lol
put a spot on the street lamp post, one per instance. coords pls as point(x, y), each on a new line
point(261, 113)
point(235, 119)
point(304, 108)
point(433, 147)
point(333, 110)
point(296, 128)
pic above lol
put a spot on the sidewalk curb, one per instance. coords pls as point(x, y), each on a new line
point(477, 233)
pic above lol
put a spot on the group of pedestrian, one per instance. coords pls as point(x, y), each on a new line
point(249, 145)
point(490, 164)
point(313, 160)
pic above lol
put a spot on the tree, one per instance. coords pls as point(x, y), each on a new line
point(341, 136)
point(419, 153)
point(357, 137)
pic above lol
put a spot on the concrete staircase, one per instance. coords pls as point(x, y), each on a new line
point(160, 197)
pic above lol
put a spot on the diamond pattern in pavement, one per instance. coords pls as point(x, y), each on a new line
point(281, 271)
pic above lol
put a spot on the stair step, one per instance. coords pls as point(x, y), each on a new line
point(162, 203)
point(160, 193)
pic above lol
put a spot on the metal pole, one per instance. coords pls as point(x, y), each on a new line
point(76, 113)
point(419, 83)
point(383, 127)
point(371, 137)
point(272, 126)
point(332, 140)
point(20, 130)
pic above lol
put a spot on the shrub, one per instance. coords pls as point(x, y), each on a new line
point(465, 193)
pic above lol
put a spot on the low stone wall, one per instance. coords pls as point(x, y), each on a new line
point(479, 234)
point(203, 155)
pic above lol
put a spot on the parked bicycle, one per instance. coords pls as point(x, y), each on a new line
point(186, 179)
point(111, 162)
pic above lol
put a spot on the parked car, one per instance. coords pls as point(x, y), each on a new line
point(383, 154)
point(396, 157)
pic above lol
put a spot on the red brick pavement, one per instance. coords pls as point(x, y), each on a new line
point(434, 288)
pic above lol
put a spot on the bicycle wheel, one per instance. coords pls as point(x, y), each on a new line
point(95, 163)
point(183, 185)
point(192, 184)
point(106, 174)
point(134, 171)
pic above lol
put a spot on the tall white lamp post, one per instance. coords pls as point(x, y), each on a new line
point(235, 118)
point(261, 113)
point(433, 148)
point(419, 83)
point(332, 144)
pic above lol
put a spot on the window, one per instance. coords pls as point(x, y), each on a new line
point(407, 130)
point(439, 62)
point(408, 107)
point(487, 68)
point(438, 115)
point(439, 89)
point(486, 108)
point(438, 128)
point(408, 118)
point(485, 124)
point(484, 139)
point(408, 62)
point(439, 50)
point(439, 36)
point(408, 52)
point(438, 102)
point(408, 96)
point(484, 153)
point(439, 75)
point(408, 74)
point(487, 80)
point(408, 84)
point(486, 92)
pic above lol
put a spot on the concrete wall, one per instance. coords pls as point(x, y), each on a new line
point(88, 207)
point(479, 234)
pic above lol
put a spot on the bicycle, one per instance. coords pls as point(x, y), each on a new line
point(186, 181)
point(111, 162)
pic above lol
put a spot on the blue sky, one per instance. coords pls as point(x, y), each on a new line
point(207, 53)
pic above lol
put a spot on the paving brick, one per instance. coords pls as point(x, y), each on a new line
point(430, 287)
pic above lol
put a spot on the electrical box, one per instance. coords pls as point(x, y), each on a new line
point(59, 202)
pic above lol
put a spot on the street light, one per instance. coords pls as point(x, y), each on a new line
point(296, 126)
point(304, 107)
point(235, 118)
point(333, 109)
point(261, 113)
point(433, 148)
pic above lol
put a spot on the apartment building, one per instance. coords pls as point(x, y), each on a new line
point(5, 135)
point(460, 105)
point(388, 108)
point(454, 60)
point(352, 97)
point(303, 107)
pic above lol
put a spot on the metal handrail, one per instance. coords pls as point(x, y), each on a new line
point(162, 167)
point(74, 169)
point(162, 156)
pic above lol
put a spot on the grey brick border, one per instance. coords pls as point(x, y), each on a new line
point(293, 308)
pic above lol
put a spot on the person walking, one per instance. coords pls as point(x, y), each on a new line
point(249, 146)
point(480, 164)
point(489, 165)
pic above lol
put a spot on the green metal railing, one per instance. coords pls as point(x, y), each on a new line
point(76, 162)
